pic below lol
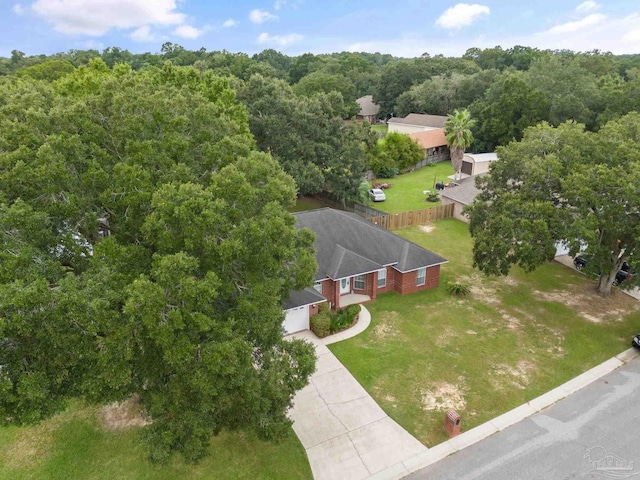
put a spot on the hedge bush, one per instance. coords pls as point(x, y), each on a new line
point(321, 323)
point(344, 318)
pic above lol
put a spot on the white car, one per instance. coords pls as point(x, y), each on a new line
point(377, 195)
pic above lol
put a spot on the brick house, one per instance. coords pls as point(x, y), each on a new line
point(357, 260)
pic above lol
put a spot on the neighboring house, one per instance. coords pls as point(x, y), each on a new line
point(434, 144)
point(357, 260)
point(463, 193)
point(477, 163)
point(368, 109)
point(416, 122)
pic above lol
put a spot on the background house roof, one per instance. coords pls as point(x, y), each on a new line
point(430, 138)
point(465, 192)
point(367, 107)
point(300, 298)
point(420, 119)
point(348, 245)
point(481, 157)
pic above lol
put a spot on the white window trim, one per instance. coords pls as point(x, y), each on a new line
point(318, 287)
point(383, 278)
point(357, 279)
point(424, 277)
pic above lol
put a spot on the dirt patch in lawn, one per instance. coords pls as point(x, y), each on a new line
point(443, 396)
point(513, 323)
point(480, 289)
point(122, 415)
point(386, 327)
point(591, 306)
point(427, 228)
point(445, 338)
point(518, 375)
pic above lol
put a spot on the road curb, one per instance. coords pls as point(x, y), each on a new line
point(476, 434)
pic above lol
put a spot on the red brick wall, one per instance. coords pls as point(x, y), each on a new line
point(329, 291)
point(433, 277)
point(406, 282)
point(313, 309)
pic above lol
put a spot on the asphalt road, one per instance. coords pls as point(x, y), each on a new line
point(594, 434)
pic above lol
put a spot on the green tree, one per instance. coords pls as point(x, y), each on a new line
point(561, 184)
point(146, 248)
point(49, 70)
point(457, 129)
point(394, 151)
point(570, 90)
point(395, 78)
point(307, 136)
point(436, 96)
point(501, 121)
point(321, 82)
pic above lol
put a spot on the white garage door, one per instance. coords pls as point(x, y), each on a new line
point(561, 248)
point(296, 319)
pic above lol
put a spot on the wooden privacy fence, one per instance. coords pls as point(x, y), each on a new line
point(413, 217)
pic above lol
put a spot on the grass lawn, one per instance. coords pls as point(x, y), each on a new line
point(380, 128)
point(510, 340)
point(406, 193)
point(75, 444)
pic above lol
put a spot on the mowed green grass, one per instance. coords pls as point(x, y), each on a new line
point(380, 128)
point(407, 190)
point(75, 445)
point(512, 339)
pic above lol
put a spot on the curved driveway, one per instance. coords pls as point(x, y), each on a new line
point(344, 431)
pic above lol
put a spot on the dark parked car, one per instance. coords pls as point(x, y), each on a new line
point(625, 272)
point(636, 341)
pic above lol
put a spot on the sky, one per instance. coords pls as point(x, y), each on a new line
point(405, 28)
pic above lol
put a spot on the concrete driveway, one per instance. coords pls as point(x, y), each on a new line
point(344, 431)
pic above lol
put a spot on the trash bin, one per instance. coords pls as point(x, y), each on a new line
point(452, 423)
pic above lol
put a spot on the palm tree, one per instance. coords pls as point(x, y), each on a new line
point(457, 129)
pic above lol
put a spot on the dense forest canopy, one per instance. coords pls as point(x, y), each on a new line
point(505, 90)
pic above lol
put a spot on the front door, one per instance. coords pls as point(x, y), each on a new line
point(345, 285)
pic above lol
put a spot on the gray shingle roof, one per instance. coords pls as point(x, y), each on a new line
point(436, 121)
point(303, 297)
point(465, 192)
point(348, 245)
point(367, 107)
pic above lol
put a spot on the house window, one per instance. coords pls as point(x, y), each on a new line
point(318, 287)
point(422, 275)
point(358, 282)
point(382, 278)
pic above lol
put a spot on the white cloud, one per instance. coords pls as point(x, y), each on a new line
point(142, 34)
point(279, 4)
point(95, 18)
point(575, 26)
point(18, 9)
point(461, 15)
point(587, 6)
point(187, 31)
point(261, 16)
point(229, 23)
point(279, 40)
